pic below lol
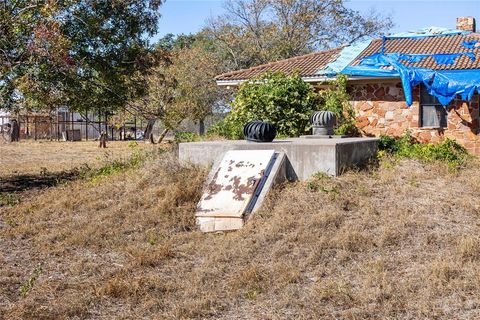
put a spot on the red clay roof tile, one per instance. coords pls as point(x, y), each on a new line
point(429, 45)
point(308, 65)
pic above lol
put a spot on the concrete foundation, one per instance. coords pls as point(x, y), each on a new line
point(304, 157)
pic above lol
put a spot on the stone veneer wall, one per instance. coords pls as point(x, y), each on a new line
point(381, 109)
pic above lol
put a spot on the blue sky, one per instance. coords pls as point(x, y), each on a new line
point(188, 16)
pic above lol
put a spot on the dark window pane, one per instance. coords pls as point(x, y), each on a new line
point(434, 116)
point(427, 98)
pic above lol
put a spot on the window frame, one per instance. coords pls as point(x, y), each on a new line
point(435, 104)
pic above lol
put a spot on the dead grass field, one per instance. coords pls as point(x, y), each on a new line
point(399, 242)
point(35, 157)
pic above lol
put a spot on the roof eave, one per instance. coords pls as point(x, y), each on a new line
point(309, 79)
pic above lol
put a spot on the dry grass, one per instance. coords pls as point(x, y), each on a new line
point(30, 157)
point(400, 242)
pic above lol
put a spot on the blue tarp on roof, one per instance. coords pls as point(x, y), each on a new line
point(345, 57)
point(428, 32)
point(443, 84)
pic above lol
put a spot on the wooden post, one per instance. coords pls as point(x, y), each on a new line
point(51, 125)
point(35, 127)
point(135, 127)
point(86, 125)
point(106, 127)
point(99, 119)
point(27, 131)
point(58, 127)
point(103, 140)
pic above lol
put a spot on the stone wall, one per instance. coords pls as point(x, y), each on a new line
point(381, 109)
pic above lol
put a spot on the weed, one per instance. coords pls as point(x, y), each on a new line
point(115, 166)
point(43, 171)
point(333, 291)
point(319, 182)
point(9, 199)
point(10, 221)
point(186, 137)
point(28, 285)
point(447, 151)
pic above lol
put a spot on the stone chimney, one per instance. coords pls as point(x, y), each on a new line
point(466, 24)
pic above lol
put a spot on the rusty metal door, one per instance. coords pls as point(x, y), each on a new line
point(232, 186)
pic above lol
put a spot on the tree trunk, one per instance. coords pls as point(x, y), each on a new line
point(148, 130)
point(201, 127)
point(103, 140)
point(13, 133)
point(165, 131)
point(162, 136)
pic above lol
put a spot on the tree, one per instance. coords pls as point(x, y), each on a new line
point(158, 100)
point(181, 87)
point(87, 49)
point(196, 93)
point(258, 31)
point(171, 42)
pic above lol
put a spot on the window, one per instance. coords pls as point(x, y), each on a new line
point(432, 113)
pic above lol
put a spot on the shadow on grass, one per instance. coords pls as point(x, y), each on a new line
point(20, 183)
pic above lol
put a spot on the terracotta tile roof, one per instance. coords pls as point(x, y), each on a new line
point(429, 45)
point(307, 65)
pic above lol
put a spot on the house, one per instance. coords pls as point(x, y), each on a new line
point(426, 81)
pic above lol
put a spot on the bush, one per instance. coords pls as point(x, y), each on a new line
point(285, 101)
point(448, 151)
point(227, 129)
point(337, 100)
point(186, 136)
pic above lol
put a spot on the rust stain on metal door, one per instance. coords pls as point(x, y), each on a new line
point(233, 184)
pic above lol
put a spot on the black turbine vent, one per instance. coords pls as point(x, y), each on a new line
point(259, 131)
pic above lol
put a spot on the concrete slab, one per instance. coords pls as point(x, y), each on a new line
point(304, 157)
point(213, 224)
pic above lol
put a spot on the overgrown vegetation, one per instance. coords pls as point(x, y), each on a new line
point(331, 247)
point(9, 199)
point(448, 151)
point(113, 166)
point(336, 99)
point(287, 102)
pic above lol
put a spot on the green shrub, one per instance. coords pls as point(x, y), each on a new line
point(337, 100)
point(448, 151)
point(388, 144)
point(283, 100)
point(186, 137)
point(287, 102)
point(227, 129)
point(9, 199)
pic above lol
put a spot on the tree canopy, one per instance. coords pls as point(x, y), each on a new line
point(258, 31)
point(181, 86)
point(77, 52)
point(96, 54)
